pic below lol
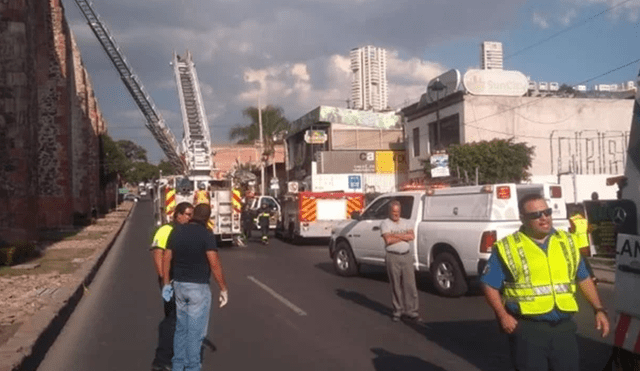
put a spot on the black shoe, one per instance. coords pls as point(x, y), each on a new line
point(161, 368)
point(415, 320)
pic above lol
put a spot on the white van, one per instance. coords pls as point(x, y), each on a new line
point(455, 229)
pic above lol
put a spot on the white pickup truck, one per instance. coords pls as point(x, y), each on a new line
point(455, 229)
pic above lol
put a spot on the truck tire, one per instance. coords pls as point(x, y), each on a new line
point(447, 276)
point(344, 261)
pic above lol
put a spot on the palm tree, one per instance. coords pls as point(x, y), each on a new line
point(273, 122)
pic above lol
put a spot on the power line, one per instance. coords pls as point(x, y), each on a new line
point(566, 29)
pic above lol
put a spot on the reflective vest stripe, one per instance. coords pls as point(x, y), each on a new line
point(510, 262)
point(237, 202)
point(170, 201)
point(523, 259)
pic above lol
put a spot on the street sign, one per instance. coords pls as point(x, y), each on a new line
point(123, 191)
point(315, 136)
point(628, 274)
point(355, 182)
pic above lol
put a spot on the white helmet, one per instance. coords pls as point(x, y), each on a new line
point(202, 186)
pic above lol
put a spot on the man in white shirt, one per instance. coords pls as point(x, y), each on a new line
point(397, 233)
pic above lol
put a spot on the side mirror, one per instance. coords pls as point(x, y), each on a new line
point(355, 215)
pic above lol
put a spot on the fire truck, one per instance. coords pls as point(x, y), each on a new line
point(314, 214)
point(193, 158)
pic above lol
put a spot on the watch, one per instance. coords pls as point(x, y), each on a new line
point(601, 309)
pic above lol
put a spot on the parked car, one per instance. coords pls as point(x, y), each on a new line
point(131, 197)
point(455, 229)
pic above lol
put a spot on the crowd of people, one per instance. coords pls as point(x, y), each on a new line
point(530, 281)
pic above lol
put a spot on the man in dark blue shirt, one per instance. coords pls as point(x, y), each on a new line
point(530, 283)
point(192, 256)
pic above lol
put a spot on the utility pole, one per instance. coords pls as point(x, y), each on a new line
point(261, 148)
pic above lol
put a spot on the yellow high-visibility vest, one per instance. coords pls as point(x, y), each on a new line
point(580, 231)
point(161, 237)
point(541, 281)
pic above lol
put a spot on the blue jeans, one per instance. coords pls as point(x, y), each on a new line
point(193, 304)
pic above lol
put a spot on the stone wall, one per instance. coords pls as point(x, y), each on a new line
point(50, 123)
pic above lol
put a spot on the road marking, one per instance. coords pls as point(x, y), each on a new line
point(282, 299)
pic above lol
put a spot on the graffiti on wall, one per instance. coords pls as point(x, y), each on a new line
point(588, 151)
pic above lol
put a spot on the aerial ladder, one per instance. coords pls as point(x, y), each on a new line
point(154, 121)
point(196, 164)
point(197, 140)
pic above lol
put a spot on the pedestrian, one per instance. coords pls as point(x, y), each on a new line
point(167, 327)
point(397, 232)
point(247, 221)
point(264, 215)
point(535, 272)
point(579, 229)
point(192, 257)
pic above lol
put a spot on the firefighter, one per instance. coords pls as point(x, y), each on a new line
point(247, 221)
point(263, 217)
point(580, 233)
point(201, 196)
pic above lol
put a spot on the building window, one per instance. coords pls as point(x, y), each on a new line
point(444, 133)
point(416, 142)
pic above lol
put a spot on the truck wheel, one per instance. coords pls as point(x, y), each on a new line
point(447, 276)
point(344, 261)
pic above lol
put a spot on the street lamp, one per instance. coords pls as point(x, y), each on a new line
point(437, 86)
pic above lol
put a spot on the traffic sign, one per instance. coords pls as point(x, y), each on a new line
point(355, 181)
point(123, 191)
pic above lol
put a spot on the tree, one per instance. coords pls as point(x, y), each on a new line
point(498, 160)
point(273, 121)
point(115, 161)
point(141, 172)
point(167, 167)
point(133, 151)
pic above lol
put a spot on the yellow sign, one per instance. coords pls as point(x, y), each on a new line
point(385, 162)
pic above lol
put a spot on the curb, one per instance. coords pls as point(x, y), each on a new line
point(28, 346)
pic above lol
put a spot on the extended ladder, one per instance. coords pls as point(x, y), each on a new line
point(154, 121)
point(197, 140)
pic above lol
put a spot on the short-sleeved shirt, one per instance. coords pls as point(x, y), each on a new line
point(496, 273)
point(161, 237)
point(401, 226)
point(189, 244)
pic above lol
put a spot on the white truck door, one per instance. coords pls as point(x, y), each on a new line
point(366, 239)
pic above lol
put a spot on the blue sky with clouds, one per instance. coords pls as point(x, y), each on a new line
point(294, 53)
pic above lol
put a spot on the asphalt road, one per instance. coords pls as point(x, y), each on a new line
point(287, 310)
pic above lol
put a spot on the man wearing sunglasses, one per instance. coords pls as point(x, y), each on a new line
point(530, 282)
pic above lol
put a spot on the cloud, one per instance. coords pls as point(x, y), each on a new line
point(569, 16)
point(540, 20)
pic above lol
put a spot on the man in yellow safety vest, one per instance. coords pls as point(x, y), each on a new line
point(164, 351)
point(201, 196)
point(530, 283)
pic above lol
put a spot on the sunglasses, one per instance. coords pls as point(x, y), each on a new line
point(537, 214)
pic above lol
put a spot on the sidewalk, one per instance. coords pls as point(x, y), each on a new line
point(38, 297)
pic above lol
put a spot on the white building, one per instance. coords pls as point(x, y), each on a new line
point(577, 136)
point(369, 84)
point(491, 55)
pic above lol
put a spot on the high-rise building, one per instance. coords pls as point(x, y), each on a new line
point(369, 84)
point(491, 55)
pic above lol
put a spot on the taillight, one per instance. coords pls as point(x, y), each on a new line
point(503, 193)
point(556, 191)
point(487, 241)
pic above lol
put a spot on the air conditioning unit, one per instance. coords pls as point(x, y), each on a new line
point(292, 187)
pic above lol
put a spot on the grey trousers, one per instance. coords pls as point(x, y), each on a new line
point(402, 277)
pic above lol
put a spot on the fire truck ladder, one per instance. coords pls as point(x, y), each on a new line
point(154, 121)
point(197, 140)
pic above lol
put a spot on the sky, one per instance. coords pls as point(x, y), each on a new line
point(295, 53)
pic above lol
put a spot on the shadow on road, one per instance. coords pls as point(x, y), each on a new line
point(479, 342)
point(363, 300)
point(387, 361)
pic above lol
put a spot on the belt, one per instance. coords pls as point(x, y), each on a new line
point(549, 323)
point(398, 253)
